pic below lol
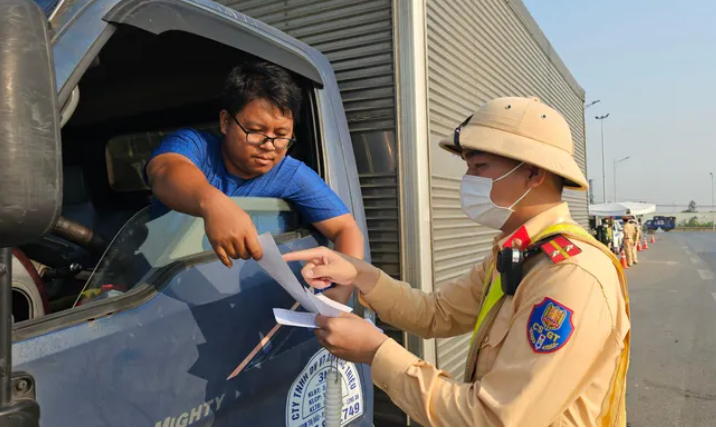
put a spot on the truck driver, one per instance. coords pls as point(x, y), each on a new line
point(196, 172)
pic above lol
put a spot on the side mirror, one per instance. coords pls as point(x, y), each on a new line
point(30, 153)
point(30, 181)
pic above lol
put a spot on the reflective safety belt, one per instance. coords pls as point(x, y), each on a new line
point(494, 294)
point(614, 407)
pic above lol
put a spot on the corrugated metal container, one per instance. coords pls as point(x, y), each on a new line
point(479, 50)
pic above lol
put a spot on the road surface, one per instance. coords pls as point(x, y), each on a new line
point(672, 376)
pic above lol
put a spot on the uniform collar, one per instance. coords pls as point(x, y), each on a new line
point(523, 236)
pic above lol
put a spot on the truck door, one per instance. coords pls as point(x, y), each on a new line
point(161, 323)
point(160, 354)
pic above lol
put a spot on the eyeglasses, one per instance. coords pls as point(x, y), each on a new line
point(256, 138)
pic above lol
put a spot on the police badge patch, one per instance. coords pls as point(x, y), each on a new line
point(549, 327)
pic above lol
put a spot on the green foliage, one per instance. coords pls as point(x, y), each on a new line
point(694, 222)
point(692, 207)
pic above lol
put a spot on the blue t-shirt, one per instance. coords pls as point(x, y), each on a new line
point(290, 179)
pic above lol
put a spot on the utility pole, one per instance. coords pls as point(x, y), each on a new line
point(713, 213)
point(591, 182)
point(616, 163)
point(604, 162)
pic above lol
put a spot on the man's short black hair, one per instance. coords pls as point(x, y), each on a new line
point(262, 80)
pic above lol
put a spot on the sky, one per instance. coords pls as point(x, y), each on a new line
point(652, 63)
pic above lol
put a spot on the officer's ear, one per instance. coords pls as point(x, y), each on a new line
point(536, 176)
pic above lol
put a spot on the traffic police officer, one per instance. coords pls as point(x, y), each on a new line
point(631, 238)
point(550, 323)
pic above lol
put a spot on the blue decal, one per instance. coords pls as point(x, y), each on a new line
point(550, 326)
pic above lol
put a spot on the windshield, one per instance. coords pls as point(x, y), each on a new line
point(144, 244)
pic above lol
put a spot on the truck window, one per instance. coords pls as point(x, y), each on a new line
point(139, 88)
point(145, 245)
point(126, 156)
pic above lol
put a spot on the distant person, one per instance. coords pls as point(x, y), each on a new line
point(611, 242)
point(639, 233)
point(196, 172)
point(630, 240)
point(602, 233)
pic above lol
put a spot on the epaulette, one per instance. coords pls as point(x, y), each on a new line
point(559, 249)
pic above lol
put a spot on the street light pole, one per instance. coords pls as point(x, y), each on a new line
point(616, 163)
point(584, 135)
point(604, 162)
point(713, 213)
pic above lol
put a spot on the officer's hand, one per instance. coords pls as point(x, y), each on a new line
point(324, 267)
point(349, 337)
point(230, 230)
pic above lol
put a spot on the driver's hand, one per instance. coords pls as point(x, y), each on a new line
point(230, 230)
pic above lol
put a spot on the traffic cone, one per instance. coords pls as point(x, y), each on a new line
point(638, 246)
point(623, 260)
point(653, 239)
point(646, 244)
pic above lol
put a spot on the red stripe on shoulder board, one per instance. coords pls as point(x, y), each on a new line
point(567, 245)
point(554, 255)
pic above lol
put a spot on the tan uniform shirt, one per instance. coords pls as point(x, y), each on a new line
point(509, 382)
point(630, 232)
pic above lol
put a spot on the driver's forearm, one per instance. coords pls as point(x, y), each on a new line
point(349, 241)
point(182, 187)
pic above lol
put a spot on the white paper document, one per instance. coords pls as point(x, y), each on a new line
point(328, 307)
point(295, 319)
point(273, 263)
point(302, 319)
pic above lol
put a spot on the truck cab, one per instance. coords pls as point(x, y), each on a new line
point(662, 222)
point(124, 319)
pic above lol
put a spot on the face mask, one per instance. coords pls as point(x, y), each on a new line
point(477, 204)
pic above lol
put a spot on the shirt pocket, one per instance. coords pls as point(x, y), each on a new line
point(493, 341)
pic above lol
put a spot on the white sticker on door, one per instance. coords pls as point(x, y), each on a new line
point(304, 404)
